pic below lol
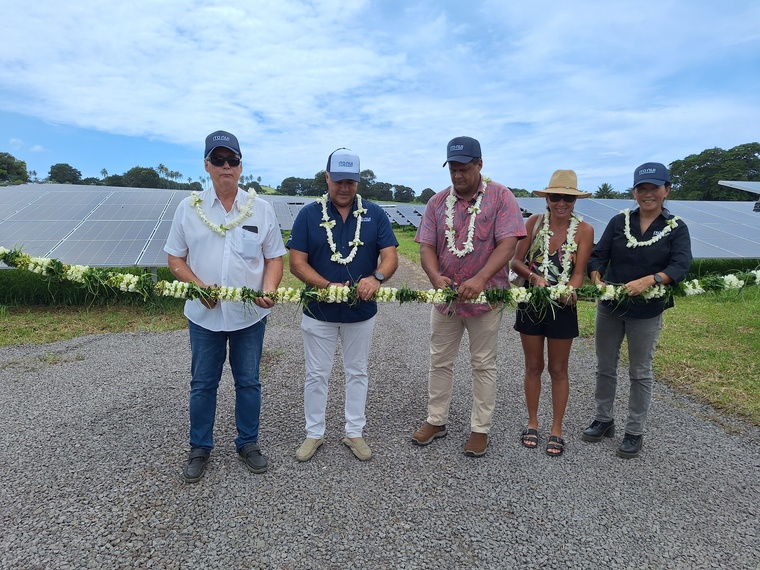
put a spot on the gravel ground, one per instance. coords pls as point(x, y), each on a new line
point(94, 438)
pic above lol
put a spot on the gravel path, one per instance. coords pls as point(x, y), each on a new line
point(93, 441)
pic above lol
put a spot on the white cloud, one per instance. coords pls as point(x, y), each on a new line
point(590, 86)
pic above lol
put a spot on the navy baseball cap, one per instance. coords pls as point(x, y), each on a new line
point(223, 139)
point(342, 164)
point(462, 149)
point(651, 173)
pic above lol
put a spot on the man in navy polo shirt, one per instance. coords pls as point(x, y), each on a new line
point(340, 239)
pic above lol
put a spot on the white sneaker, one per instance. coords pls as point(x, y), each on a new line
point(308, 449)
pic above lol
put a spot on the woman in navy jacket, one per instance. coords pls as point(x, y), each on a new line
point(639, 249)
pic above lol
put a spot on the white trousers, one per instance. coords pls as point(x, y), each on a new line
point(320, 338)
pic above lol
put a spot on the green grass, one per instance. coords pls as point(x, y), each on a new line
point(709, 347)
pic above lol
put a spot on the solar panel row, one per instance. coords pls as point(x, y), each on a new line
point(117, 227)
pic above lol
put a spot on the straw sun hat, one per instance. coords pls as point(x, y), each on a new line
point(563, 182)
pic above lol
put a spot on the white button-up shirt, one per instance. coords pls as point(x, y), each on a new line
point(235, 259)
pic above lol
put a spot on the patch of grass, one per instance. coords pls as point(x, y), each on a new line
point(42, 325)
point(710, 348)
point(407, 247)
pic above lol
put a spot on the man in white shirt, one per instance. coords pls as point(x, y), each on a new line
point(225, 236)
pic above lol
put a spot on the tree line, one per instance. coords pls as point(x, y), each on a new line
point(694, 178)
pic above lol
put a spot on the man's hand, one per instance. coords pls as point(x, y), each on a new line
point(367, 287)
point(471, 288)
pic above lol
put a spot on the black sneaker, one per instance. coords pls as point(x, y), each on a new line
point(630, 447)
point(597, 430)
point(250, 454)
point(196, 464)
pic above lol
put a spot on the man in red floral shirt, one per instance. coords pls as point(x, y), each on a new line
point(467, 237)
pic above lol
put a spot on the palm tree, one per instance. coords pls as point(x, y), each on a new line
point(605, 191)
point(104, 173)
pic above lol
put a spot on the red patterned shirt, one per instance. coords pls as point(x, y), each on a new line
point(499, 218)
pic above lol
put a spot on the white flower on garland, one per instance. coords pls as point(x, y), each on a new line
point(39, 264)
point(654, 292)
point(568, 249)
point(245, 212)
point(732, 282)
point(474, 210)
point(559, 291)
point(126, 282)
point(386, 294)
point(176, 289)
point(670, 225)
point(76, 273)
point(329, 224)
point(287, 295)
point(230, 294)
point(692, 287)
point(436, 296)
point(520, 294)
point(607, 292)
point(756, 273)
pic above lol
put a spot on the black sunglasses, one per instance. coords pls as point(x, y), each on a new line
point(566, 197)
point(220, 160)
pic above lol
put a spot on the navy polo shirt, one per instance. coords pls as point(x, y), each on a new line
point(309, 237)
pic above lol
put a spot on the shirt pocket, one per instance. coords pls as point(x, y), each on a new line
point(484, 229)
point(251, 247)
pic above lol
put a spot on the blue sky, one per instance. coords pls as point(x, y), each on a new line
point(598, 87)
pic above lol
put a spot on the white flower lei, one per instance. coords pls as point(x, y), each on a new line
point(671, 224)
point(568, 249)
point(474, 210)
point(245, 211)
point(329, 224)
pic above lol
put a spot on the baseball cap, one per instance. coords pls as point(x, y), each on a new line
point(223, 139)
point(652, 173)
point(342, 164)
point(462, 149)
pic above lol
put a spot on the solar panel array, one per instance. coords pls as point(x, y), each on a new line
point(122, 227)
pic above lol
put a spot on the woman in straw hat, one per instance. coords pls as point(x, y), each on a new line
point(642, 249)
point(556, 256)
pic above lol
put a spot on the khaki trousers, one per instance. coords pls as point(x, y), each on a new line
point(445, 339)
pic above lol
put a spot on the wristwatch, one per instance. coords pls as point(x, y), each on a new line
point(657, 278)
point(379, 276)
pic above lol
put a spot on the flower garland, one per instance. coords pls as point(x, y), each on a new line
point(474, 210)
point(329, 224)
point(245, 211)
point(93, 279)
point(568, 248)
point(670, 225)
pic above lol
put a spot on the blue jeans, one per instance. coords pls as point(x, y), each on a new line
point(209, 351)
point(642, 335)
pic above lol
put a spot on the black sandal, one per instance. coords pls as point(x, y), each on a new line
point(529, 438)
point(555, 443)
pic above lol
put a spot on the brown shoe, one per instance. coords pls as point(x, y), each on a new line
point(476, 445)
point(427, 433)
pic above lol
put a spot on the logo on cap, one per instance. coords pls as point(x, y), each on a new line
point(456, 147)
point(647, 171)
point(221, 138)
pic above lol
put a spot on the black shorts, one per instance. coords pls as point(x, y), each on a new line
point(562, 322)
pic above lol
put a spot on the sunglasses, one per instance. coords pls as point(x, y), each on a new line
point(220, 160)
point(566, 197)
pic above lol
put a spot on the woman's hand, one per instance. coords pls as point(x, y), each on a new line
point(636, 287)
